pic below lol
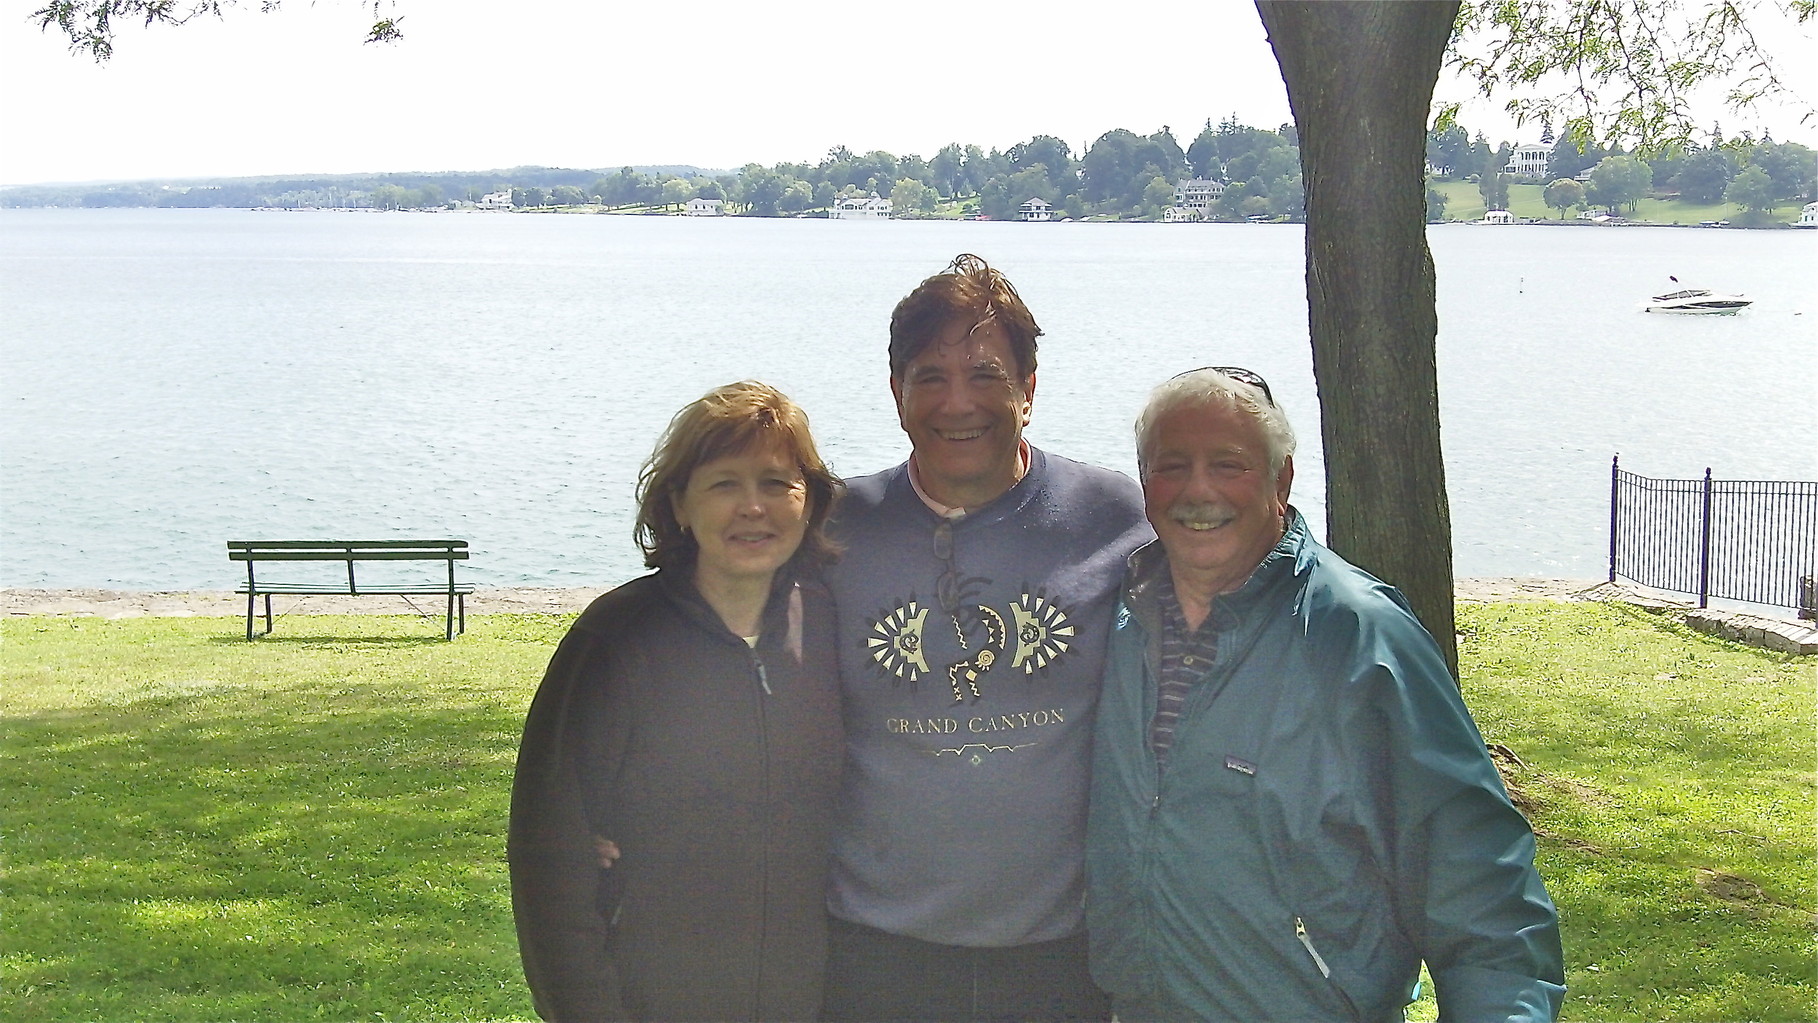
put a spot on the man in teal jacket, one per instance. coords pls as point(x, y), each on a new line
point(1291, 807)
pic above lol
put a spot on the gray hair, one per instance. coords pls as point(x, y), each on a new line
point(1208, 388)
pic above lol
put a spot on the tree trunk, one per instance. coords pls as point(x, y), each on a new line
point(1360, 79)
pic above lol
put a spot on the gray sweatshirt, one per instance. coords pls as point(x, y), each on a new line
point(970, 659)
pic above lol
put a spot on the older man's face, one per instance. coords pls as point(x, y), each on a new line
point(1215, 505)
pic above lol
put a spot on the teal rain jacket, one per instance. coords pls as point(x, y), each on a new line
point(1328, 818)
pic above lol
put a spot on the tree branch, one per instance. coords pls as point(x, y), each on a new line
point(1622, 71)
point(89, 25)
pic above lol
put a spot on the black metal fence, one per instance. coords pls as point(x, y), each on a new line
point(1749, 540)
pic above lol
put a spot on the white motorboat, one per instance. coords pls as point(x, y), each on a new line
point(1696, 300)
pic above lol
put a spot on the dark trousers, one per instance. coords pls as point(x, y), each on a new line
point(877, 977)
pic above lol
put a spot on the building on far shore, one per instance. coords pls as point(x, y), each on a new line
point(698, 207)
point(1808, 215)
point(1036, 209)
point(1529, 161)
point(855, 207)
point(496, 200)
point(1193, 199)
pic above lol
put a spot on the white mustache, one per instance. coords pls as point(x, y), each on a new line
point(1201, 514)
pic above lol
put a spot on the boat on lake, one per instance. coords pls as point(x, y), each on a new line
point(1696, 300)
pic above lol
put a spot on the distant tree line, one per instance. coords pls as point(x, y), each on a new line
point(405, 190)
point(1120, 175)
point(1755, 175)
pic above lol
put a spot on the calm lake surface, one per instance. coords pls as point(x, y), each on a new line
point(172, 379)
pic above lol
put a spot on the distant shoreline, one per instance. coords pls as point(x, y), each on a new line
point(610, 212)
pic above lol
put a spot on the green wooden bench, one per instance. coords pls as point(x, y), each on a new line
point(253, 552)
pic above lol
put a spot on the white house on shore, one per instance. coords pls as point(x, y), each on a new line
point(1193, 199)
point(854, 207)
point(1808, 215)
point(1529, 161)
point(1036, 209)
point(496, 200)
point(698, 207)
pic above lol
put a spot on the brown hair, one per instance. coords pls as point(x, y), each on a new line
point(968, 291)
point(725, 421)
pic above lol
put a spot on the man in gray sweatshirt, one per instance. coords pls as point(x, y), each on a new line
point(975, 597)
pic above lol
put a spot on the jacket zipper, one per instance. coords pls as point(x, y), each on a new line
point(1300, 931)
point(758, 1007)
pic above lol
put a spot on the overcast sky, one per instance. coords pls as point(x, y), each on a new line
point(479, 84)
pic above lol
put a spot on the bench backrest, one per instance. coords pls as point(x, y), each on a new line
point(347, 550)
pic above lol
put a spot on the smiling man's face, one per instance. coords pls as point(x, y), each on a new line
point(1215, 505)
point(964, 408)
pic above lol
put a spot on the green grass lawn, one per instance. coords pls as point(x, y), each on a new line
point(1464, 202)
point(1674, 777)
point(312, 826)
point(307, 827)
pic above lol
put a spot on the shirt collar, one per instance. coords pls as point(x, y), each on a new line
point(955, 514)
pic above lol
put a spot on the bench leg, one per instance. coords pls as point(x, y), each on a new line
point(462, 603)
point(449, 619)
point(251, 598)
point(268, 614)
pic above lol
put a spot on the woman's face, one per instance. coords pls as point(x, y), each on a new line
point(748, 512)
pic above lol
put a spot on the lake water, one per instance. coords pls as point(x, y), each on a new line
point(173, 379)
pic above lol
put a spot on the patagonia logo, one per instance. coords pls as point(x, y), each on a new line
point(1240, 766)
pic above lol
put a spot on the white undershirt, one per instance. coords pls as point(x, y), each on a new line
point(955, 514)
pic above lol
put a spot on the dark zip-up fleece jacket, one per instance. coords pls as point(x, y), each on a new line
point(1327, 818)
point(715, 768)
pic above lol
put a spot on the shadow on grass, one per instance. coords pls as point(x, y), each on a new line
point(331, 640)
point(1645, 693)
point(1669, 622)
point(1643, 943)
point(1671, 776)
point(244, 854)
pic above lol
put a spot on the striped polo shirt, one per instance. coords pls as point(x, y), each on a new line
point(1186, 657)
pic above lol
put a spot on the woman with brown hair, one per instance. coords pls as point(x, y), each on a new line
point(692, 717)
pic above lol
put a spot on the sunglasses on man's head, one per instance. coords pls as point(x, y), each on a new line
point(1241, 375)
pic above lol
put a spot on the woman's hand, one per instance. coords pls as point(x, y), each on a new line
point(607, 850)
